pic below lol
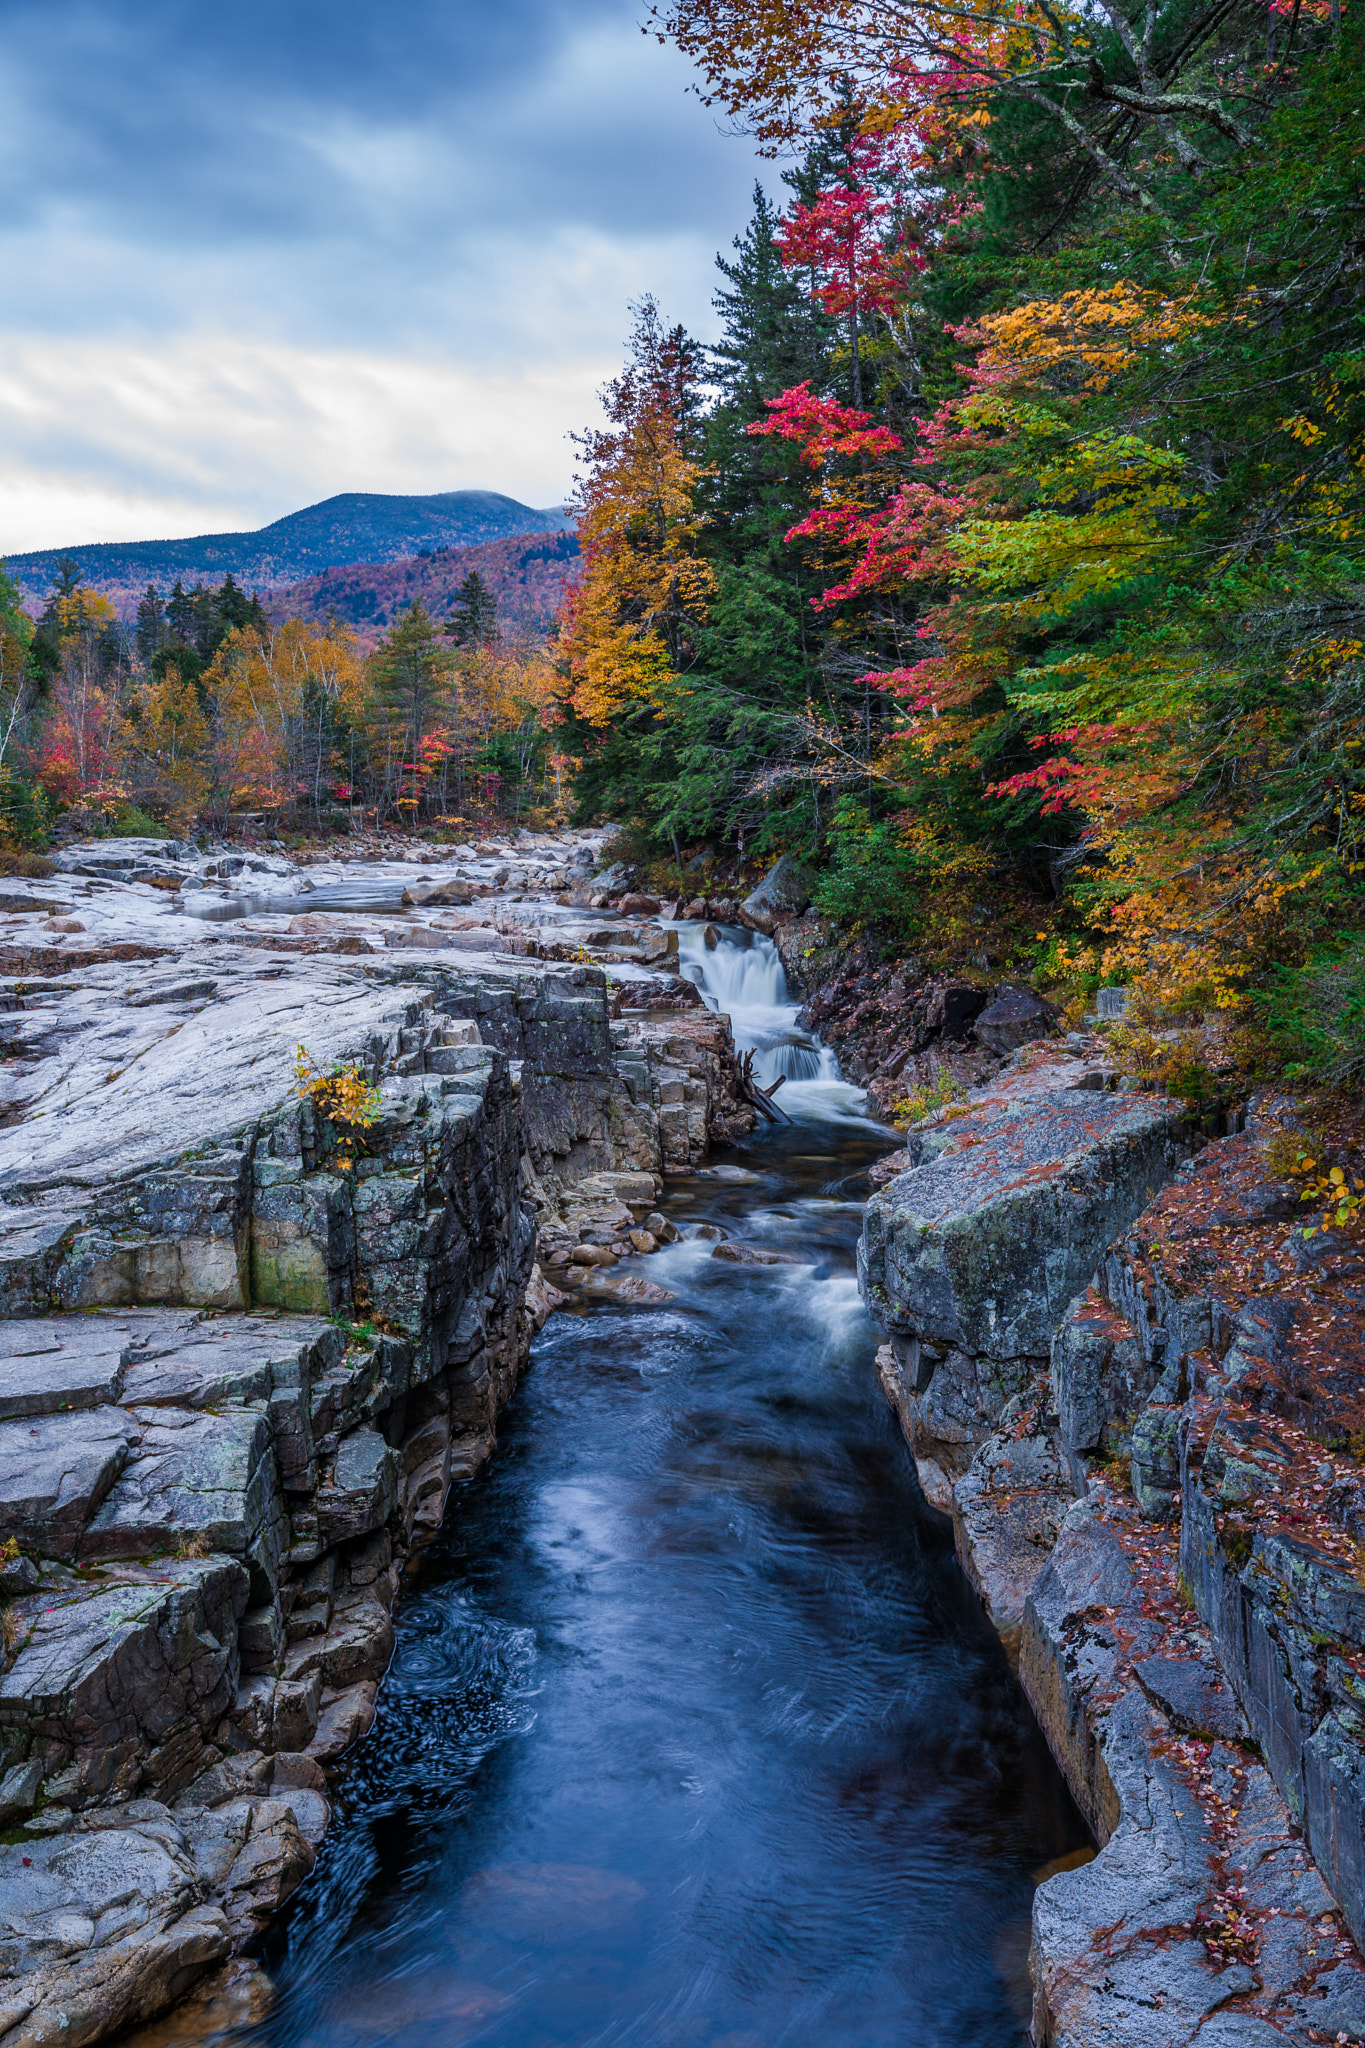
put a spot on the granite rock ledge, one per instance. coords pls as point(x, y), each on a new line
point(1154, 1489)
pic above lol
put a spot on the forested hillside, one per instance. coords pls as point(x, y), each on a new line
point(527, 575)
point(1005, 556)
point(207, 712)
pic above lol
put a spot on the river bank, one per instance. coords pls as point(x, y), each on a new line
point(1132, 1377)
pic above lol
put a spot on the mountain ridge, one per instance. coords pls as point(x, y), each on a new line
point(350, 526)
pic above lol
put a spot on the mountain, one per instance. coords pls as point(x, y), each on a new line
point(355, 526)
point(528, 575)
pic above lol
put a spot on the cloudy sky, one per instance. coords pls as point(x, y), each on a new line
point(257, 251)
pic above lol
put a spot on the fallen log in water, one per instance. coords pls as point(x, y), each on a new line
point(761, 1098)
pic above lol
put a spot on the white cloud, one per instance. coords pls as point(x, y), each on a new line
point(221, 434)
point(213, 323)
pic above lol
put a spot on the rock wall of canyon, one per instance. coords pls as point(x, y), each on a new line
point(1135, 1385)
point(245, 1354)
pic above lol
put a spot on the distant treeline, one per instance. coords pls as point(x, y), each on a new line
point(204, 709)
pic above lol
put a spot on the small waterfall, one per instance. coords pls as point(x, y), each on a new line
point(742, 975)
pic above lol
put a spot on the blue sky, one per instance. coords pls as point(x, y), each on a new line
point(254, 254)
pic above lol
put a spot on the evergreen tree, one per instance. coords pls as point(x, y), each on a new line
point(180, 612)
point(151, 625)
point(774, 337)
point(473, 620)
point(410, 675)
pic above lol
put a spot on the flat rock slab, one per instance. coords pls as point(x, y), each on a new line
point(176, 1362)
point(984, 1246)
point(133, 1082)
point(55, 1470)
point(209, 1480)
point(64, 1363)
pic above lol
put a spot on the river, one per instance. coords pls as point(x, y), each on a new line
point(694, 1732)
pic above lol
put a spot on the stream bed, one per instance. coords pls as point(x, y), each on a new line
point(694, 1732)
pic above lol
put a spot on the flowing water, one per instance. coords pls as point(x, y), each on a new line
point(694, 1732)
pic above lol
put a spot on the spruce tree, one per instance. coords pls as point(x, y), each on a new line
point(473, 620)
point(774, 337)
point(151, 625)
point(410, 671)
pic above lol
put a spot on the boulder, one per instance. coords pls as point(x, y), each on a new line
point(982, 1248)
point(625, 1287)
point(454, 891)
point(783, 893)
point(758, 1255)
point(1012, 1020)
point(362, 1490)
point(951, 1009)
point(889, 1165)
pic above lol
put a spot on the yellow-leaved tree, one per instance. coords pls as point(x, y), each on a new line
point(79, 744)
point(163, 747)
point(628, 625)
point(287, 709)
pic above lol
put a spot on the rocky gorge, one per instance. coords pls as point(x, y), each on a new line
point(1129, 1375)
point(249, 1350)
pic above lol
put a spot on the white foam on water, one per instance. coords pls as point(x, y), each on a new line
point(837, 1306)
point(748, 983)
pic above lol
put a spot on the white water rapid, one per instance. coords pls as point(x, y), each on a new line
point(743, 976)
